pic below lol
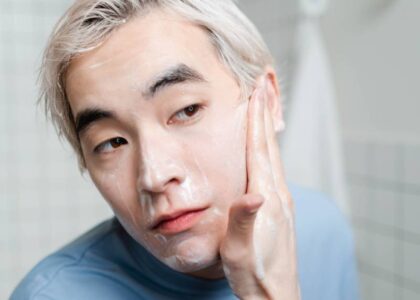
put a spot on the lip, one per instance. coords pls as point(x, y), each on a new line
point(177, 221)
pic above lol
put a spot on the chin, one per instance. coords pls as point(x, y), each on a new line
point(192, 254)
point(186, 264)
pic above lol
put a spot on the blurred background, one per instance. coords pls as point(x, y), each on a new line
point(349, 74)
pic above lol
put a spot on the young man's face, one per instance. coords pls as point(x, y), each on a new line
point(163, 128)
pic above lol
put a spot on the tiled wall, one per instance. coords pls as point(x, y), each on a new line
point(384, 181)
point(44, 201)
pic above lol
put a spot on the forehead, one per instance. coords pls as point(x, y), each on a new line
point(139, 49)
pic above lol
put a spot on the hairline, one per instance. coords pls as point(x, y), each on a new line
point(229, 49)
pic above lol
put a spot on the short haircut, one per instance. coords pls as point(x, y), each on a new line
point(87, 24)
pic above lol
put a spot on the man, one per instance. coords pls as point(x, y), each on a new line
point(173, 107)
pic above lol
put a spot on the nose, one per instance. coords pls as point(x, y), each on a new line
point(159, 163)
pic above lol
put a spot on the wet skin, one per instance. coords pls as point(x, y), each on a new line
point(171, 144)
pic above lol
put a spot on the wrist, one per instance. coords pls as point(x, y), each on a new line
point(286, 289)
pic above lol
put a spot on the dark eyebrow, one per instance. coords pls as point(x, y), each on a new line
point(90, 115)
point(177, 74)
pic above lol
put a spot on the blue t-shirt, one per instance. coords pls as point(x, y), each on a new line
point(106, 263)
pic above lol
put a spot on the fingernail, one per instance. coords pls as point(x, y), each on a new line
point(255, 206)
point(253, 210)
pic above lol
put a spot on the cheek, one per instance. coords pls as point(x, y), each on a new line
point(229, 140)
point(117, 186)
point(220, 152)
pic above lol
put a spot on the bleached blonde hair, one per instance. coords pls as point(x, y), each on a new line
point(87, 23)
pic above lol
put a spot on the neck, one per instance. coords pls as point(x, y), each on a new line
point(212, 272)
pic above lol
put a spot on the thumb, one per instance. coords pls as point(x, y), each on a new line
point(241, 219)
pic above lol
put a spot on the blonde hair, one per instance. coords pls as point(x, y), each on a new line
point(87, 23)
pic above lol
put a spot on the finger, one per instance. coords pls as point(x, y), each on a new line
point(275, 159)
point(242, 216)
point(272, 142)
point(258, 161)
point(237, 248)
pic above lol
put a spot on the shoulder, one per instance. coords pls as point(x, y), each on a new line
point(325, 246)
point(318, 215)
point(63, 270)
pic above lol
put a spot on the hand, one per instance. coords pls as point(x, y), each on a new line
point(259, 250)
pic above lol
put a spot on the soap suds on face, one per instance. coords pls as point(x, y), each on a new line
point(217, 212)
point(187, 191)
point(146, 203)
point(161, 238)
point(190, 260)
point(133, 221)
point(179, 262)
point(226, 270)
point(214, 215)
point(147, 177)
point(203, 175)
point(116, 180)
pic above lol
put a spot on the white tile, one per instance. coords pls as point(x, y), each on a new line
point(366, 286)
point(360, 201)
point(412, 165)
point(386, 162)
point(36, 253)
point(7, 261)
point(410, 295)
point(411, 265)
point(22, 170)
point(383, 290)
point(384, 206)
point(277, 42)
point(9, 198)
point(271, 9)
point(30, 200)
point(363, 241)
point(355, 154)
point(382, 254)
point(21, 22)
point(411, 221)
point(29, 226)
point(60, 238)
point(28, 170)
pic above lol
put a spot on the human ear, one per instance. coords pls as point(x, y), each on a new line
point(273, 99)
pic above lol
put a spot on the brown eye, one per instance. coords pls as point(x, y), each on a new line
point(115, 143)
point(109, 145)
point(187, 113)
point(191, 110)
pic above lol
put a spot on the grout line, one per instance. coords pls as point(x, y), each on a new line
point(370, 181)
point(398, 223)
point(391, 277)
point(387, 230)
